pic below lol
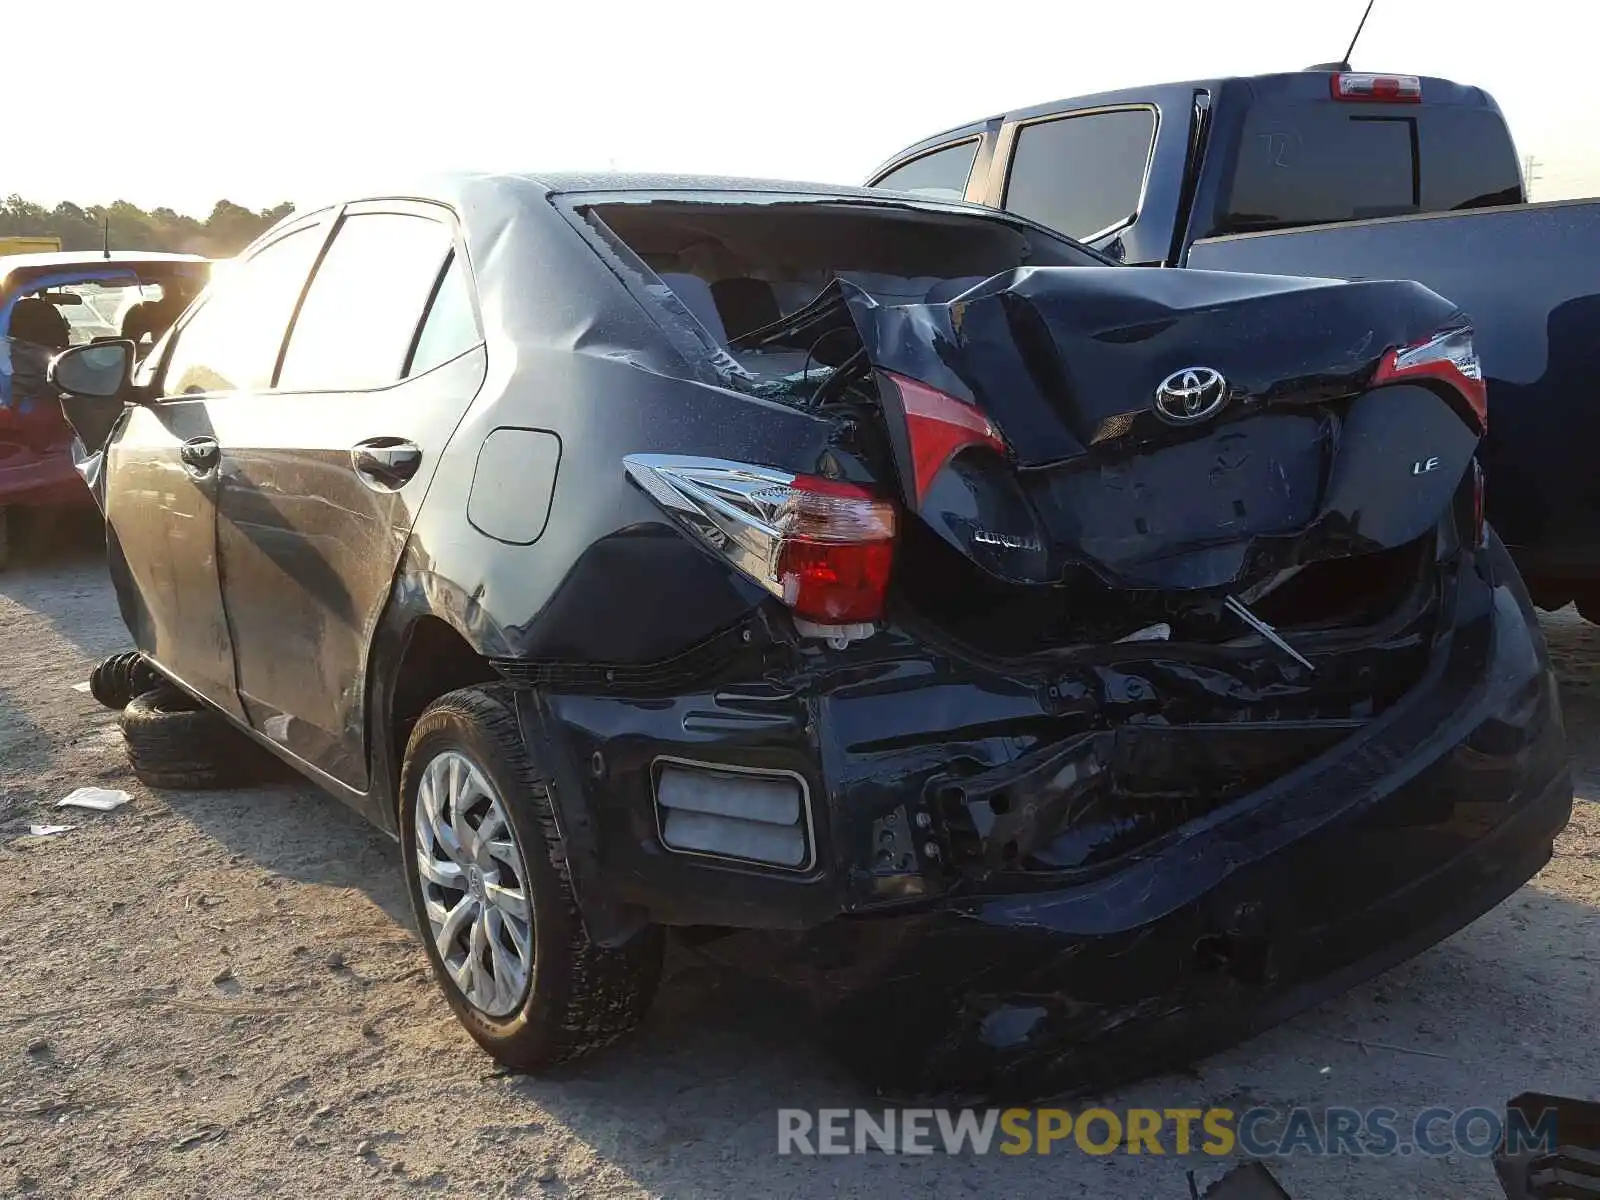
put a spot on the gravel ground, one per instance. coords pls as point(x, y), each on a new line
point(220, 994)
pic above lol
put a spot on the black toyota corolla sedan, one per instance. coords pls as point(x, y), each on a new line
point(1078, 664)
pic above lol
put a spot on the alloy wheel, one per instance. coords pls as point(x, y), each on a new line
point(469, 868)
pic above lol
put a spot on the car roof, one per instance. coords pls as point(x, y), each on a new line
point(458, 187)
point(91, 258)
point(66, 260)
point(599, 182)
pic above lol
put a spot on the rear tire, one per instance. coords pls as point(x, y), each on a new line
point(487, 873)
point(118, 679)
point(176, 742)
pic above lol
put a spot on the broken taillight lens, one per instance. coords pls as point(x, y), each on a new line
point(822, 546)
point(1447, 356)
point(1382, 89)
point(937, 427)
point(834, 550)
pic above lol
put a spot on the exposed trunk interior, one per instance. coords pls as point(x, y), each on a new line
point(1107, 520)
point(1110, 549)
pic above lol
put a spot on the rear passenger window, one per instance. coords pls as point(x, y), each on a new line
point(942, 173)
point(233, 339)
point(1082, 175)
point(450, 327)
point(364, 304)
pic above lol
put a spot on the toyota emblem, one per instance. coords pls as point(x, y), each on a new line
point(1191, 395)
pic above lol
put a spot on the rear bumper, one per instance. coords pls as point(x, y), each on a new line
point(1405, 830)
point(1017, 996)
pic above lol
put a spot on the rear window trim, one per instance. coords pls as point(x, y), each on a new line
point(1014, 141)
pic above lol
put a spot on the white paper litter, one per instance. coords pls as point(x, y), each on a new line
point(49, 830)
point(81, 687)
point(99, 799)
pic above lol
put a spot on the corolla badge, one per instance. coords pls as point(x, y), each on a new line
point(1191, 395)
point(1006, 541)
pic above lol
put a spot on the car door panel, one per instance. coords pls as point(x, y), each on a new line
point(320, 478)
point(160, 519)
point(160, 470)
point(308, 547)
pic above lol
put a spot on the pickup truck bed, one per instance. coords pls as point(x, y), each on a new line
point(1529, 277)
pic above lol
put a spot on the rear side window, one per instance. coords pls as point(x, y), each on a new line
point(943, 173)
point(1082, 175)
point(365, 302)
point(1312, 164)
point(233, 339)
point(450, 327)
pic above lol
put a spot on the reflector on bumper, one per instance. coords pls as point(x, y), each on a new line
point(745, 814)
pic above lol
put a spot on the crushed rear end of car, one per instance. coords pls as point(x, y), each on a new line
point(1134, 669)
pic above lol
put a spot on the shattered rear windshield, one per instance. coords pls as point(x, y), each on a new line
point(738, 267)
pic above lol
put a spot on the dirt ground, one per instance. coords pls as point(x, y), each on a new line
point(220, 994)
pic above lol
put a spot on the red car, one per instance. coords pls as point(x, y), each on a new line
point(47, 303)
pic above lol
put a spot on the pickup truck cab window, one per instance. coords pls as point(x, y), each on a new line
point(1082, 174)
point(1318, 163)
point(1309, 164)
point(942, 174)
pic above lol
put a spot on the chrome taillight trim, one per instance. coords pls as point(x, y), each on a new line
point(727, 505)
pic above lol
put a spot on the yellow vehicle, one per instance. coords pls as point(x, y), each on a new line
point(29, 245)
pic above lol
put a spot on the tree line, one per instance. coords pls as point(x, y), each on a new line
point(229, 229)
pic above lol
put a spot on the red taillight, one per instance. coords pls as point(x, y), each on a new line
point(938, 426)
point(834, 550)
point(1380, 89)
point(1447, 356)
point(822, 546)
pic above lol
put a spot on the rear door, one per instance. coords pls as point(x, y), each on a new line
point(161, 469)
point(322, 476)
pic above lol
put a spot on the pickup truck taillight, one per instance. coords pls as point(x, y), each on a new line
point(822, 546)
point(1447, 356)
point(1382, 89)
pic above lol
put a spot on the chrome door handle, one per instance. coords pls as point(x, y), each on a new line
point(199, 455)
point(388, 462)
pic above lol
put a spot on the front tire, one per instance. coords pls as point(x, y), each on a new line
point(489, 882)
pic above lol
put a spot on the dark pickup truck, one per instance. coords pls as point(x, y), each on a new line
point(1342, 175)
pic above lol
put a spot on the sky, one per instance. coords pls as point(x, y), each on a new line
point(178, 103)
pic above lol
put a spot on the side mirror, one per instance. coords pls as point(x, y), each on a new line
point(98, 371)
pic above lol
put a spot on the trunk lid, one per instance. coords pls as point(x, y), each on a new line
point(1169, 429)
